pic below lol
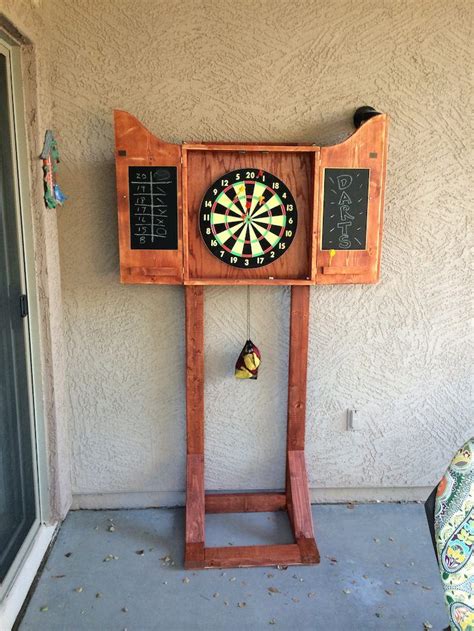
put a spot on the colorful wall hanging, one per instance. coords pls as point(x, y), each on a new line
point(53, 195)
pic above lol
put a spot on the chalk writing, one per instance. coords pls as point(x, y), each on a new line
point(153, 208)
point(345, 207)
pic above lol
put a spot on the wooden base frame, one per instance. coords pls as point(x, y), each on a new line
point(295, 498)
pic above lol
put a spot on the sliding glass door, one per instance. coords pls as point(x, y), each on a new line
point(18, 501)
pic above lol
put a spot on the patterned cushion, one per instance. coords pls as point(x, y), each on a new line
point(454, 529)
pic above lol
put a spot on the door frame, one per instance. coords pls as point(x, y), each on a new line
point(12, 52)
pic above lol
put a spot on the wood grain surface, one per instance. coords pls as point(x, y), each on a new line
point(203, 167)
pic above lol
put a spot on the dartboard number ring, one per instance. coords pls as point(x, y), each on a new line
point(248, 218)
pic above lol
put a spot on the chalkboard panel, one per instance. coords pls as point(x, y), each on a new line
point(345, 206)
point(153, 207)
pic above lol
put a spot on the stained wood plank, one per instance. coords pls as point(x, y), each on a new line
point(249, 147)
point(236, 281)
point(244, 502)
point(309, 551)
point(301, 507)
point(195, 513)
point(315, 215)
point(194, 556)
point(297, 372)
point(195, 370)
point(341, 270)
point(252, 556)
point(195, 529)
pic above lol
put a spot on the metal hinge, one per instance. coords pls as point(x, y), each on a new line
point(23, 305)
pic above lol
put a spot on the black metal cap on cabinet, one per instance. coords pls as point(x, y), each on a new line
point(363, 114)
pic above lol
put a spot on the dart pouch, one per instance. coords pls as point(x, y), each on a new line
point(246, 366)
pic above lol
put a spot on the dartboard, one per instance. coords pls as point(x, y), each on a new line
point(248, 218)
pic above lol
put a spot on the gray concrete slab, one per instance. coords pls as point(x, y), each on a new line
point(378, 571)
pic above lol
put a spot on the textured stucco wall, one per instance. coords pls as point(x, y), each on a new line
point(26, 21)
point(273, 71)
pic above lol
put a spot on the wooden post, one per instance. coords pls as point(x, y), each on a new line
point(297, 492)
point(195, 534)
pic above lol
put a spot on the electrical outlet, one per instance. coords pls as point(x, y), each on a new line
point(353, 420)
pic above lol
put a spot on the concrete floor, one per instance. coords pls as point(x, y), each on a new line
point(123, 570)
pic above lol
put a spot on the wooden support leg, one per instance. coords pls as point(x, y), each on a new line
point(297, 492)
point(301, 520)
point(195, 532)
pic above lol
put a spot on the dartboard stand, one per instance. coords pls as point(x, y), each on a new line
point(180, 225)
point(295, 499)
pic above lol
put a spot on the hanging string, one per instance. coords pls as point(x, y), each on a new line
point(250, 358)
point(248, 312)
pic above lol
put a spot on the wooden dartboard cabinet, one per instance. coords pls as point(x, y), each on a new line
point(199, 214)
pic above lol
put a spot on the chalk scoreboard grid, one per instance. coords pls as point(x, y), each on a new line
point(153, 208)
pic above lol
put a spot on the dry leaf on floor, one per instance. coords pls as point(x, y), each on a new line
point(274, 590)
point(111, 557)
point(241, 605)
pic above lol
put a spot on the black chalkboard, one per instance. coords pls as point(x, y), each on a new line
point(345, 206)
point(153, 195)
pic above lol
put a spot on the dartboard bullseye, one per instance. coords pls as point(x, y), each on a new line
point(248, 218)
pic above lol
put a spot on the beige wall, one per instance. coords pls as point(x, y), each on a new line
point(272, 71)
